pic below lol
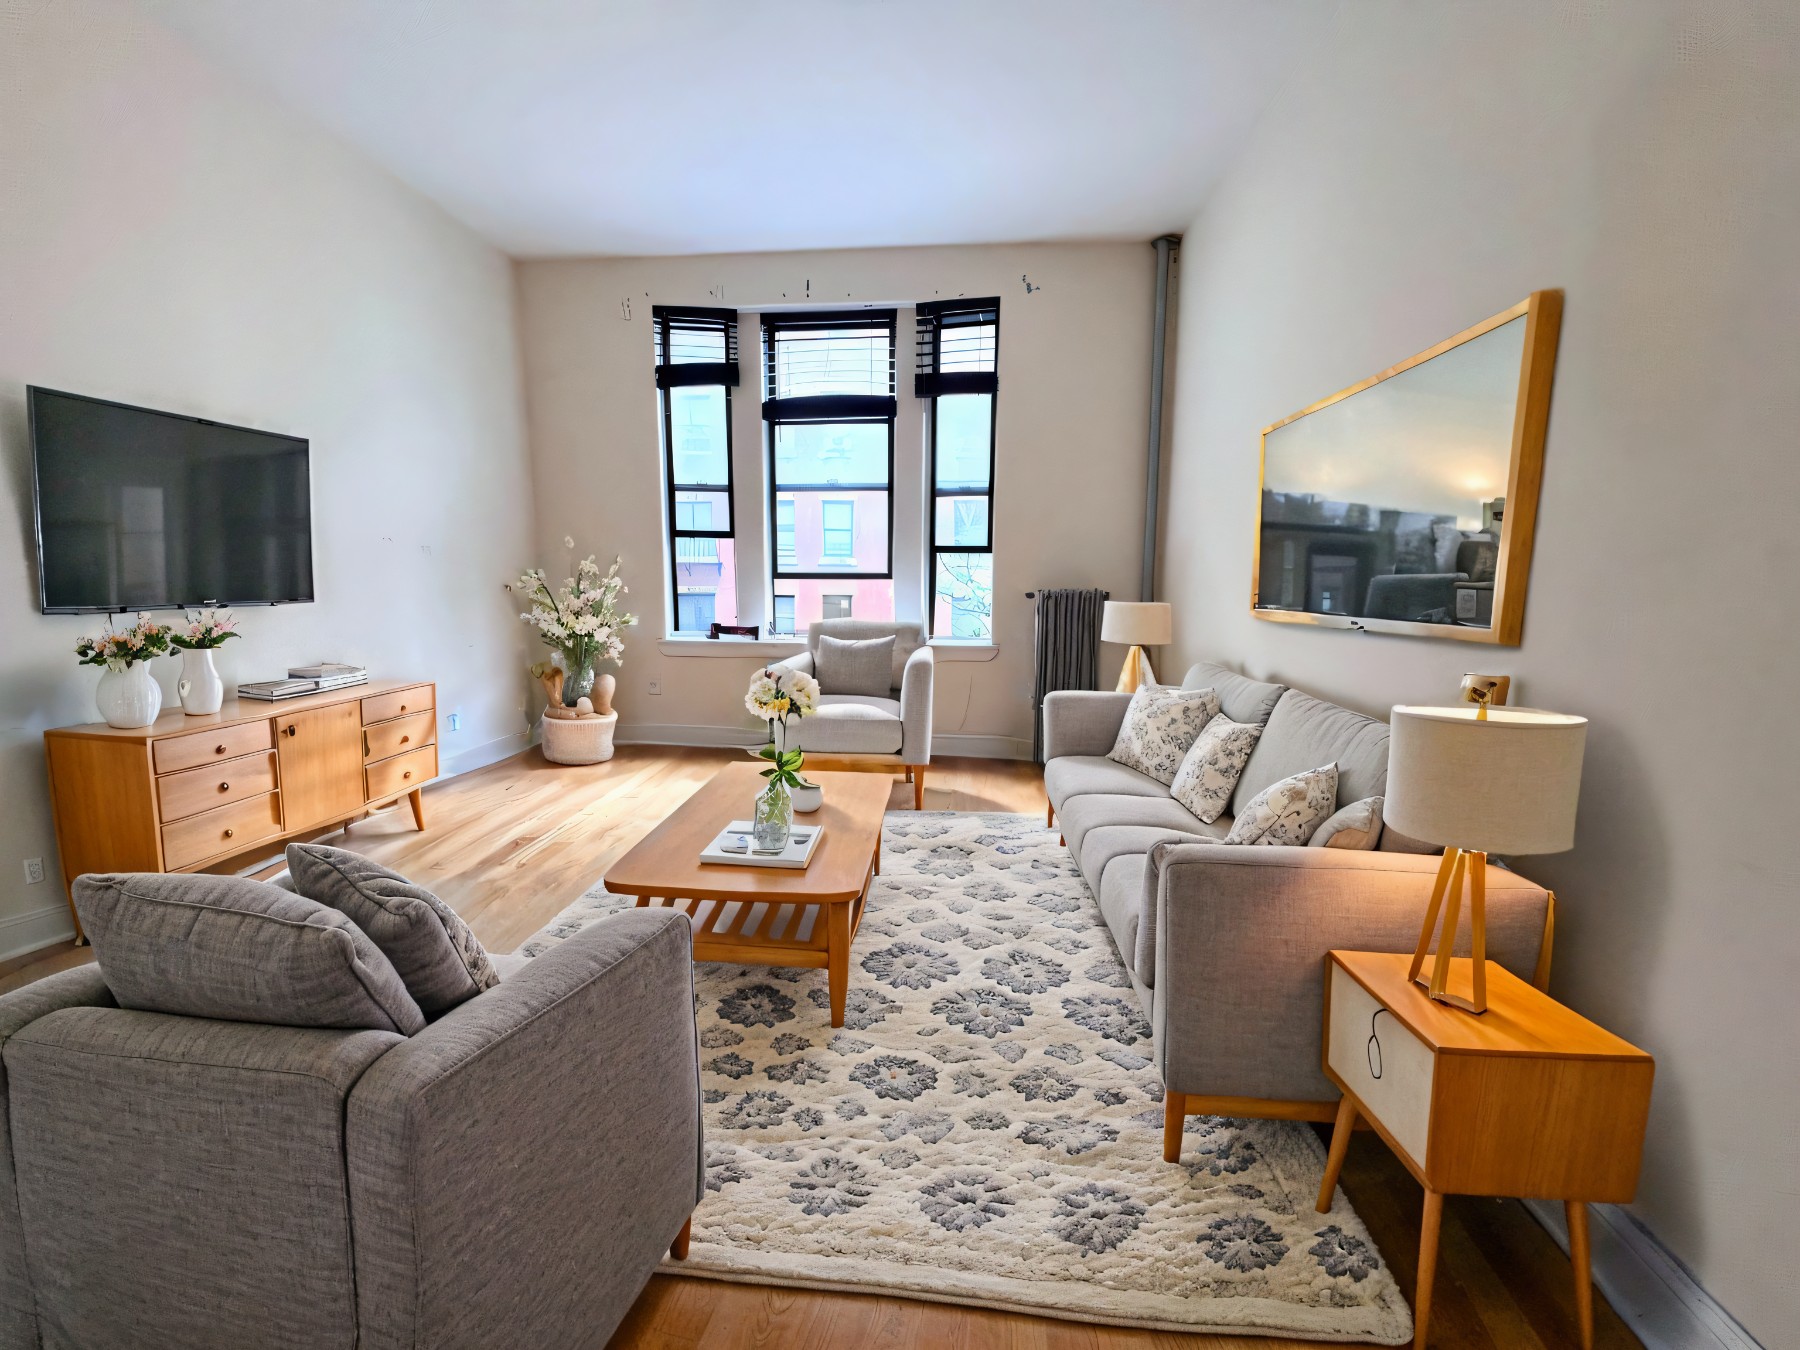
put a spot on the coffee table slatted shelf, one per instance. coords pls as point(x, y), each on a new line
point(771, 916)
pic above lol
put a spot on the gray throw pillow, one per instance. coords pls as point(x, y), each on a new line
point(1357, 825)
point(239, 951)
point(865, 667)
point(1289, 811)
point(439, 958)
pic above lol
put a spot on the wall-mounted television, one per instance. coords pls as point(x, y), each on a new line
point(139, 509)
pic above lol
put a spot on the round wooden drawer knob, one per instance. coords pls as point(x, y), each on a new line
point(402, 707)
point(229, 833)
point(406, 775)
point(218, 749)
point(405, 739)
point(224, 787)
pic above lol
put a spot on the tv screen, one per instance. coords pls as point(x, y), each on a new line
point(139, 509)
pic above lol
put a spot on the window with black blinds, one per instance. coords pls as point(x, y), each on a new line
point(957, 370)
point(696, 369)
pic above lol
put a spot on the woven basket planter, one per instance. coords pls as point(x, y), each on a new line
point(579, 740)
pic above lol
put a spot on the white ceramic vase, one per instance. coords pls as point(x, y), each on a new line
point(129, 697)
point(201, 689)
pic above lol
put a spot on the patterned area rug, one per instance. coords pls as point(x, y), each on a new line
point(987, 1126)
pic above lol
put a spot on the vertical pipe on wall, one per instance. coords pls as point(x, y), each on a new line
point(1165, 247)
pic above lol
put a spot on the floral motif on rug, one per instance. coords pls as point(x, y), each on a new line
point(986, 1127)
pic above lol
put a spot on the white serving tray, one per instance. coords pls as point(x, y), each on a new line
point(802, 843)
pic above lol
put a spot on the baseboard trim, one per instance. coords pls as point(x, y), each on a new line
point(480, 756)
point(714, 737)
point(1658, 1297)
point(22, 934)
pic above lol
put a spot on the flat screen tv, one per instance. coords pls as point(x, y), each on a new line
point(138, 509)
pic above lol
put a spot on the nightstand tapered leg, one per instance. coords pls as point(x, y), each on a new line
point(1174, 1123)
point(1428, 1249)
point(1340, 1145)
point(1577, 1213)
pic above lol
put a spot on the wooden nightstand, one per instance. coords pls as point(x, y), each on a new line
point(1528, 1099)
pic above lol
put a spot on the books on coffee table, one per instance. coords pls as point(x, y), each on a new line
point(736, 845)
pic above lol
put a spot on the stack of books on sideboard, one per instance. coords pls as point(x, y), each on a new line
point(301, 680)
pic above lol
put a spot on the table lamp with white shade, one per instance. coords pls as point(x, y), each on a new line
point(1139, 624)
point(1479, 780)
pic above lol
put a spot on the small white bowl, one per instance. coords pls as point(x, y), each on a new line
point(808, 798)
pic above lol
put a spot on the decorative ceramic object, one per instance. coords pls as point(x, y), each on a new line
point(807, 797)
point(604, 688)
point(128, 697)
point(774, 817)
point(201, 689)
point(569, 739)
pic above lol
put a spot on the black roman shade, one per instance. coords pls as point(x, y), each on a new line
point(695, 345)
point(957, 344)
point(805, 356)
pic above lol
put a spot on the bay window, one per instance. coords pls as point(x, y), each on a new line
point(829, 406)
point(696, 368)
point(957, 372)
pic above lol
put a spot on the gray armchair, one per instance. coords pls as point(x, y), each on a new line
point(510, 1175)
point(860, 731)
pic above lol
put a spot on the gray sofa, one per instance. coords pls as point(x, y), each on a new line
point(510, 1175)
point(1226, 944)
point(869, 730)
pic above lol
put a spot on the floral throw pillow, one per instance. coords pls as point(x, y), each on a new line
point(1210, 772)
point(1289, 811)
point(1160, 725)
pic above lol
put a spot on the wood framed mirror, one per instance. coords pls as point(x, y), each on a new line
point(1406, 503)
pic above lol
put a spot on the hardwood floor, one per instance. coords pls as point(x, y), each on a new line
point(512, 844)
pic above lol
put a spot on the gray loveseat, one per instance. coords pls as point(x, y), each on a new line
point(510, 1175)
point(1226, 944)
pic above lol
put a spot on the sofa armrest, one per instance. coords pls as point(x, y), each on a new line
point(1241, 934)
point(916, 682)
point(518, 1168)
point(1082, 721)
point(800, 661)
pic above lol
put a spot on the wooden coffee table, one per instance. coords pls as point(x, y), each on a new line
point(771, 916)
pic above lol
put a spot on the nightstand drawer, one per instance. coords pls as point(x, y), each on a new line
point(226, 830)
point(192, 791)
point(398, 736)
point(205, 747)
point(1391, 1075)
point(402, 773)
point(382, 707)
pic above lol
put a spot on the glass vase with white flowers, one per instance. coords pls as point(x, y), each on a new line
point(778, 694)
point(197, 638)
point(126, 696)
point(582, 619)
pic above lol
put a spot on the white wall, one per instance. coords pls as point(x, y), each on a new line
point(168, 238)
point(1433, 167)
point(1069, 481)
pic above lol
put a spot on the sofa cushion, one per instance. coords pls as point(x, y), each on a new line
point(908, 638)
point(439, 958)
point(1078, 815)
point(239, 951)
point(855, 667)
point(1080, 775)
point(1240, 698)
point(1160, 724)
point(1288, 812)
point(852, 724)
point(1212, 767)
point(1305, 732)
point(1121, 904)
point(1101, 844)
point(1357, 826)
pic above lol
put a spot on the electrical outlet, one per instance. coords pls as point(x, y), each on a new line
point(34, 871)
point(656, 686)
point(456, 721)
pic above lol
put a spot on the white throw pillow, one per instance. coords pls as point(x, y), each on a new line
point(1160, 725)
point(1205, 780)
point(1357, 825)
point(1289, 811)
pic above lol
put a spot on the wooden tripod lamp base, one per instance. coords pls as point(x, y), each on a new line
point(1459, 865)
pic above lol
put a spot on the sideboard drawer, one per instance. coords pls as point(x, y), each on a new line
point(1392, 1074)
point(402, 773)
point(382, 707)
point(192, 791)
point(225, 830)
point(203, 747)
point(400, 735)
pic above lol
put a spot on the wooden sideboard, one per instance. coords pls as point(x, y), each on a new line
point(187, 793)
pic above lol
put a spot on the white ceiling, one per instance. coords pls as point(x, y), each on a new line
point(557, 127)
